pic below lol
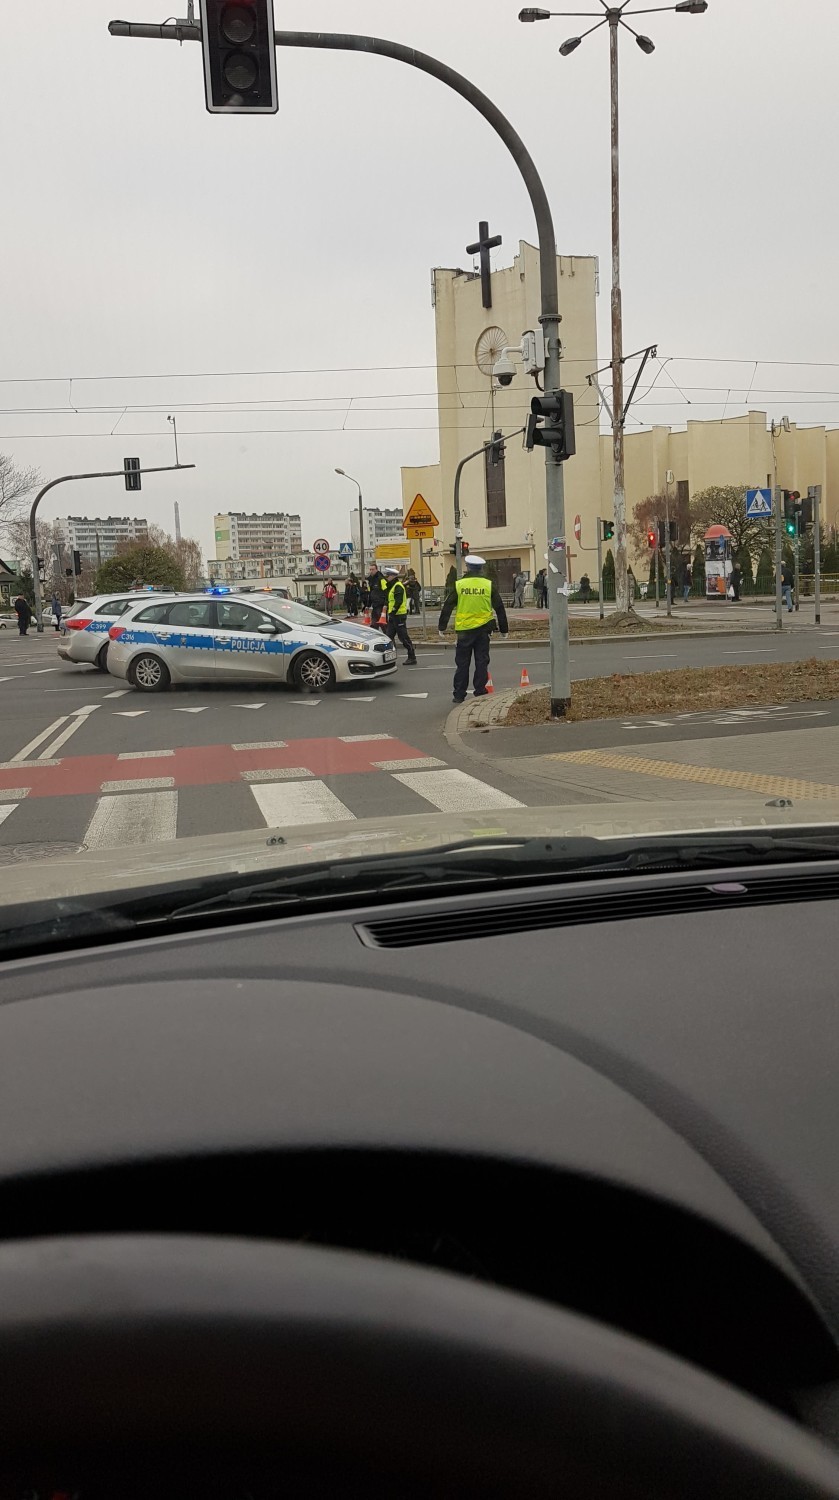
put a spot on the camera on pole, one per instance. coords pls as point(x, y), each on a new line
point(551, 424)
point(240, 68)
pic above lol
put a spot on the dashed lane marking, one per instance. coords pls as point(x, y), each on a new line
point(145, 754)
point(142, 784)
point(361, 739)
point(120, 693)
point(263, 745)
point(671, 770)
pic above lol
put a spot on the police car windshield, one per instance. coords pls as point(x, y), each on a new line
point(295, 614)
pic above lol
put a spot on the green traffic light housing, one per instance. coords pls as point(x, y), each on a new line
point(790, 528)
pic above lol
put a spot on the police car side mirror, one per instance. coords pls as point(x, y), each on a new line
point(266, 629)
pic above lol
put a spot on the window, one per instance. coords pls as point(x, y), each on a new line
point(195, 612)
point(115, 607)
point(157, 614)
point(496, 488)
point(243, 617)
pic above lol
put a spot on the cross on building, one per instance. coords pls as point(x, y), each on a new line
point(482, 248)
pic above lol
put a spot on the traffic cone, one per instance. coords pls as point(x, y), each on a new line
point(490, 688)
point(367, 615)
point(525, 678)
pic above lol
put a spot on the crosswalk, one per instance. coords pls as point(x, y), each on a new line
point(147, 797)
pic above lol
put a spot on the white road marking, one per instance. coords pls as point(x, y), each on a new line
point(417, 764)
point(142, 784)
point(412, 695)
point(361, 739)
point(284, 773)
point(262, 745)
point(143, 754)
point(41, 671)
point(14, 678)
point(650, 655)
point(247, 705)
point(190, 710)
point(455, 791)
point(307, 702)
point(80, 717)
point(752, 651)
point(120, 693)
point(356, 698)
point(39, 738)
point(130, 713)
point(292, 804)
point(133, 818)
point(6, 809)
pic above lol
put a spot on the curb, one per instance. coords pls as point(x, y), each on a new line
point(655, 635)
point(464, 718)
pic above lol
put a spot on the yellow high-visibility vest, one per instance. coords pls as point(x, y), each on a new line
point(393, 609)
point(474, 603)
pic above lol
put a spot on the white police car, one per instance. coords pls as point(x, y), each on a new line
point(90, 620)
point(242, 638)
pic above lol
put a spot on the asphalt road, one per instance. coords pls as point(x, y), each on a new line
point(87, 762)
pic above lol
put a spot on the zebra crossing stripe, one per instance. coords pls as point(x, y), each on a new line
point(455, 791)
point(133, 818)
point(293, 804)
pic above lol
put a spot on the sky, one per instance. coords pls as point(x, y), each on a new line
point(267, 279)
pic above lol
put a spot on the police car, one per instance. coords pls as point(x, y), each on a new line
point(215, 637)
point(89, 622)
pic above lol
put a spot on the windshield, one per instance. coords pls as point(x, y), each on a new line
point(358, 520)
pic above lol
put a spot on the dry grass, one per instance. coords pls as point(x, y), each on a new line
point(537, 630)
point(688, 690)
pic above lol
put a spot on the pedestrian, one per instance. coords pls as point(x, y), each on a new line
point(519, 586)
point(413, 590)
point(397, 609)
point(378, 587)
point(364, 594)
point(787, 581)
point(735, 580)
point(585, 588)
point(351, 596)
point(476, 600)
point(543, 590)
point(687, 580)
point(329, 592)
point(55, 606)
point(537, 588)
point(24, 614)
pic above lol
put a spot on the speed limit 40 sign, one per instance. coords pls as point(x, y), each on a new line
point(320, 546)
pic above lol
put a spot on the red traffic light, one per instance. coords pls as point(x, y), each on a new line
point(651, 537)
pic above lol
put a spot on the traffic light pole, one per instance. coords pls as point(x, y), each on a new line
point(549, 317)
point(67, 479)
point(816, 495)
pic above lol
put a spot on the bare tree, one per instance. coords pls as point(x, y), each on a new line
point(15, 484)
point(186, 553)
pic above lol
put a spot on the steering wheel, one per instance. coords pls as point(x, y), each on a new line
point(415, 1381)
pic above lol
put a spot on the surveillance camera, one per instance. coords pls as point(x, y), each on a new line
point(504, 370)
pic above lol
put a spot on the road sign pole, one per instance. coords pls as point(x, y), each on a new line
point(797, 559)
point(422, 587)
point(816, 492)
point(600, 565)
point(779, 623)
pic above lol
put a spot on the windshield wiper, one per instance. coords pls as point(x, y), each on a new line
point(506, 861)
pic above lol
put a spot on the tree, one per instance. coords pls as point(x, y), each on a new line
point(609, 575)
point(186, 553)
point(725, 505)
point(139, 563)
point(744, 558)
point(648, 512)
point(15, 485)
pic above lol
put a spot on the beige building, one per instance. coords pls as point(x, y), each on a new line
point(503, 506)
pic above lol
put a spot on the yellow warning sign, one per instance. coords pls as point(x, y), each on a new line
point(420, 520)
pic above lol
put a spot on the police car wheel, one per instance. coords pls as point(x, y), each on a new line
point(314, 672)
point(102, 659)
point(149, 674)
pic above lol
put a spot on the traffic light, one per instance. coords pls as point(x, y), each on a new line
point(555, 410)
point(789, 526)
point(77, 562)
point(133, 480)
point(496, 448)
point(608, 530)
point(240, 66)
point(652, 539)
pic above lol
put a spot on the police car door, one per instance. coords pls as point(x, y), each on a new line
point(185, 632)
point(250, 644)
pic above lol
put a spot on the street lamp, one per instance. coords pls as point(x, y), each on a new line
point(344, 475)
point(613, 16)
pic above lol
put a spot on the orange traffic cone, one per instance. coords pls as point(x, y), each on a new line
point(525, 679)
point(366, 620)
point(490, 688)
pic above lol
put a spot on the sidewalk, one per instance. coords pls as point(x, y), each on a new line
point(797, 764)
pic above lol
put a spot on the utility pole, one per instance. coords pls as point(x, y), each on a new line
point(668, 574)
point(814, 493)
point(549, 317)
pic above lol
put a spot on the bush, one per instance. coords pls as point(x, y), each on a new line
point(140, 564)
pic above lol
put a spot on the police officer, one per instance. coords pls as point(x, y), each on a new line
point(476, 600)
point(397, 609)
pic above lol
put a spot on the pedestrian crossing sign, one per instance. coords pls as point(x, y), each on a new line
point(758, 504)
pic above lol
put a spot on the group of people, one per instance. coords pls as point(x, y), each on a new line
point(360, 594)
point(25, 612)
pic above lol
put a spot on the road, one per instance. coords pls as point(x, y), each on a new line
point(87, 762)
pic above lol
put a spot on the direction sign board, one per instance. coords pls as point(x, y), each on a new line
point(421, 517)
point(578, 527)
point(758, 504)
point(393, 552)
point(321, 545)
point(323, 562)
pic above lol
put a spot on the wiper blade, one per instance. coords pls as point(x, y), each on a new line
point(507, 860)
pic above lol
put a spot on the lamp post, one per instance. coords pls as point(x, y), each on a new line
point(613, 17)
point(344, 475)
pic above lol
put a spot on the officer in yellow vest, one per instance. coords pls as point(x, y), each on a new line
point(479, 605)
point(397, 610)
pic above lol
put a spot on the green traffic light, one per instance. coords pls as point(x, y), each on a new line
point(790, 528)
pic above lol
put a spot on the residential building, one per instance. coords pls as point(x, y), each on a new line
point(379, 526)
point(240, 535)
point(503, 504)
point(98, 537)
point(294, 571)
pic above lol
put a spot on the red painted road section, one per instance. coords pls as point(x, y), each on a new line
point(203, 765)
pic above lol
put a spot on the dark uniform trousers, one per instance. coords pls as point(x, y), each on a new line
point(471, 643)
point(397, 628)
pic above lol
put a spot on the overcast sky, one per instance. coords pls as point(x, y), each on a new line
point(237, 271)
